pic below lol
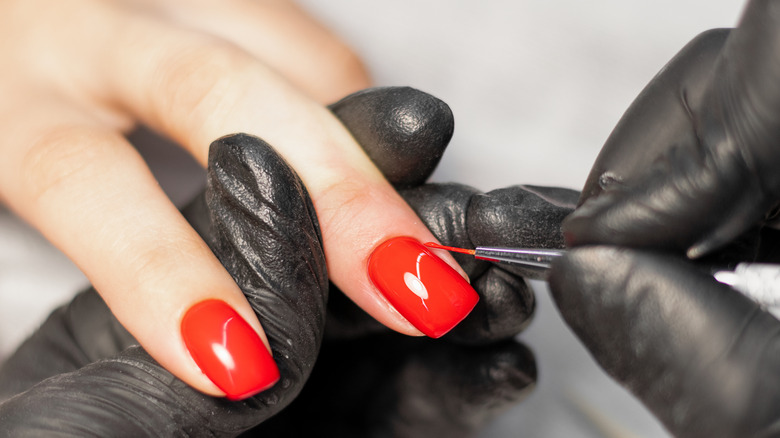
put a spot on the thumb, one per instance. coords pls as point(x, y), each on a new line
point(701, 356)
point(716, 108)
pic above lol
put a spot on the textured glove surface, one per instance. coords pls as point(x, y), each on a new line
point(690, 170)
point(693, 163)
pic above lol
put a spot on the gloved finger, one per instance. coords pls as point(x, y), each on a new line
point(404, 131)
point(406, 387)
point(517, 216)
point(702, 357)
point(522, 216)
point(661, 109)
point(260, 219)
point(128, 395)
point(719, 177)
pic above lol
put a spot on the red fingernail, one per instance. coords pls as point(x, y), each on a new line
point(425, 290)
point(228, 350)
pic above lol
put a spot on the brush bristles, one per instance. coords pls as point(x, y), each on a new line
point(449, 248)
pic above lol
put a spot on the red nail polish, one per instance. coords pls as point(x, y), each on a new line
point(425, 290)
point(228, 350)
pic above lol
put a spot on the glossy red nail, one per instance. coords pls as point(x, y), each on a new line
point(228, 350)
point(425, 290)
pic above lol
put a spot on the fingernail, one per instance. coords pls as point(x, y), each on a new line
point(228, 350)
point(422, 287)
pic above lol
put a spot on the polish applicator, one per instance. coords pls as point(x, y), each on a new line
point(758, 281)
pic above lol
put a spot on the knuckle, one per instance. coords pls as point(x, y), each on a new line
point(197, 78)
point(157, 265)
point(341, 202)
point(347, 63)
point(343, 72)
point(59, 159)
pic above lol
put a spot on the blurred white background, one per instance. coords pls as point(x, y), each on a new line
point(536, 87)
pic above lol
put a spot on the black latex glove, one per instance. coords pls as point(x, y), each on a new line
point(692, 165)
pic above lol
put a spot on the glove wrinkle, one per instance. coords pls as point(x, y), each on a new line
point(265, 231)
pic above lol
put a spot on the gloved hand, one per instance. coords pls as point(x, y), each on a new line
point(692, 167)
point(90, 378)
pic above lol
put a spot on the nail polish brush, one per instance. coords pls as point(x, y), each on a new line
point(758, 281)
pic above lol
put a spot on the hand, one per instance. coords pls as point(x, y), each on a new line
point(693, 162)
point(80, 74)
point(689, 168)
point(84, 353)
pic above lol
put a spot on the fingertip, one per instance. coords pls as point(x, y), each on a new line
point(403, 130)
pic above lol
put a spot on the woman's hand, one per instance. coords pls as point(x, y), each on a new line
point(82, 373)
point(79, 74)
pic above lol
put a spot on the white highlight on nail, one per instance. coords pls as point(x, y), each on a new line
point(224, 356)
point(415, 285)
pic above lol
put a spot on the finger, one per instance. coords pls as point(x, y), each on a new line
point(208, 90)
point(718, 178)
point(660, 109)
point(92, 195)
point(264, 230)
point(625, 191)
point(280, 34)
point(690, 348)
point(522, 216)
point(253, 229)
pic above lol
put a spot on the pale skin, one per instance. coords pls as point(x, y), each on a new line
point(80, 73)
